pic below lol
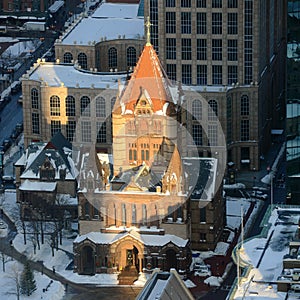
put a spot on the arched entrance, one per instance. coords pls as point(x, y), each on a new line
point(171, 260)
point(128, 253)
point(88, 263)
point(132, 258)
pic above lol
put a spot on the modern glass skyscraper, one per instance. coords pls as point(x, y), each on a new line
point(293, 103)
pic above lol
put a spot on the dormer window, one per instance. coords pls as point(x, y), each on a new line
point(47, 172)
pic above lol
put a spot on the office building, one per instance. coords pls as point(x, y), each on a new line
point(233, 53)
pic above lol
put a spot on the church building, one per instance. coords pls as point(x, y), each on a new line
point(148, 204)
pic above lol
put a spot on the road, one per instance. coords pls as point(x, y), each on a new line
point(10, 116)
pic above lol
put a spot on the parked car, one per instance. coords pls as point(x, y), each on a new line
point(16, 88)
point(6, 144)
point(7, 98)
point(20, 100)
point(2, 225)
point(259, 195)
point(2, 104)
point(9, 182)
point(19, 127)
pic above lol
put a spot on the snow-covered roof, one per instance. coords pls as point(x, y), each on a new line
point(37, 153)
point(56, 6)
point(19, 47)
point(265, 254)
point(117, 10)
point(200, 174)
point(56, 75)
point(103, 29)
point(146, 239)
point(40, 186)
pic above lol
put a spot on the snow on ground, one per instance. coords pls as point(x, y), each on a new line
point(213, 281)
point(61, 260)
point(189, 283)
point(237, 185)
point(8, 286)
point(221, 248)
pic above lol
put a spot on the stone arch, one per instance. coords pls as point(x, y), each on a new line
point(87, 259)
point(170, 253)
point(171, 259)
point(126, 247)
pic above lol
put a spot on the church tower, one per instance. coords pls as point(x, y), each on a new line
point(144, 115)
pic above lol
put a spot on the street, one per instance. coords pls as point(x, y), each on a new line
point(10, 116)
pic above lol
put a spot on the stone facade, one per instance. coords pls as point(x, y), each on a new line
point(153, 205)
point(97, 53)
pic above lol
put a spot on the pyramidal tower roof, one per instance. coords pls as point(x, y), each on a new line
point(148, 75)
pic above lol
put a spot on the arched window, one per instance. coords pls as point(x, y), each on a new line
point(70, 106)
point(100, 107)
point(197, 134)
point(54, 106)
point(131, 56)
point(144, 214)
point(34, 98)
point(212, 110)
point(85, 108)
point(112, 103)
point(112, 58)
point(134, 221)
point(68, 57)
point(82, 60)
point(124, 214)
point(197, 109)
point(244, 105)
point(87, 208)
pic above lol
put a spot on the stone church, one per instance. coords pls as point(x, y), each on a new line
point(147, 204)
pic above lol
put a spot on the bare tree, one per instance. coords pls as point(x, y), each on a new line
point(4, 259)
point(62, 201)
point(15, 275)
point(33, 242)
point(51, 242)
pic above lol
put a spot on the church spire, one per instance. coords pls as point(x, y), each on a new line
point(148, 24)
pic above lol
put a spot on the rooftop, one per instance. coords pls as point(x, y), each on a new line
point(109, 22)
point(262, 256)
point(56, 75)
point(117, 10)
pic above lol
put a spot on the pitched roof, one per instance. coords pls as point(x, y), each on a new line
point(146, 239)
point(56, 151)
point(140, 177)
point(148, 75)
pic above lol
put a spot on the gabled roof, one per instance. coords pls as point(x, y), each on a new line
point(148, 75)
point(55, 152)
point(165, 286)
point(146, 239)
